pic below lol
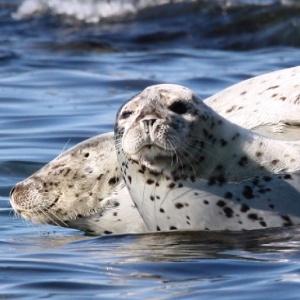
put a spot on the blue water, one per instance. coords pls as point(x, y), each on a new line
point(63, 77)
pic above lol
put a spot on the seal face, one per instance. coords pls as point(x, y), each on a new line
point(81, 189)
point(186, 167)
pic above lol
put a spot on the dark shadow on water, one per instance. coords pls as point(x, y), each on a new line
point(187, 245)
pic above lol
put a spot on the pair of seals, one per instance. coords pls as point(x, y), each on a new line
point(186, 167)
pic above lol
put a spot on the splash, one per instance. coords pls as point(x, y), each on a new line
point(89, 11)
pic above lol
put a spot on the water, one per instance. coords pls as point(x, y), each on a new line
point(66, 66)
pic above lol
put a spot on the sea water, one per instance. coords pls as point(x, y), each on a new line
point(65, 68)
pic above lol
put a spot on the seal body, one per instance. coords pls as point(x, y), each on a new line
point(187, 167)
point(268, 104)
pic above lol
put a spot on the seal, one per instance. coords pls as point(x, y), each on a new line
point(70, 192)
point(188, 168)
point(267, 104)
point(81, 189)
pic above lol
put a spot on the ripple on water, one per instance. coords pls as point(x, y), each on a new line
point(64, 83)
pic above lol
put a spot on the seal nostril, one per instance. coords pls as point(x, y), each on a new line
point(149, 122)
point(12, 191)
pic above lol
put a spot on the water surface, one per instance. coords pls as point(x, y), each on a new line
point(66, 67)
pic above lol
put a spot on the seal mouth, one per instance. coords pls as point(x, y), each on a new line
point(155, 151)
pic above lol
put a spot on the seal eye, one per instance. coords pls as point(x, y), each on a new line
point(178, 107)
point(126, 114)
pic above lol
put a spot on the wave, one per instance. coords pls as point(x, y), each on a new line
point(142, 24)
point(90, 11)
point(94, 11)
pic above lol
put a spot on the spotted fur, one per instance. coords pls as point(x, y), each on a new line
point(82, 189)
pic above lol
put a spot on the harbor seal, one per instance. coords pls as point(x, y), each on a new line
point(77, 207)
point(188, 168)
point(82, 189)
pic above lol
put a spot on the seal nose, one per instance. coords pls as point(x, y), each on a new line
point(149, 122)
point(12, 191)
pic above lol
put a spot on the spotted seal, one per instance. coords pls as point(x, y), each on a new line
point(81, 189)
point(69, 191)
point(187, 167)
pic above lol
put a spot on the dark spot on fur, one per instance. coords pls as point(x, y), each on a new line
point(158, 228)
point(235, 136)
point(221, 203)
point(99, 177)
point(255, 181)
point(179, 205)
point(258, 154)
point(223, 142)
point(273, 87)
point(171, 185)
point(86, 155)
point(267, 178)
point(288, 221)
point(150, 181)
point(162, 210)
point(247, 192)
point(243, 161)
point(263, 223)
point(114, 180)
point(253, 216)
point(228, 212)
point(244, 208)
point(173, 228)
point(219, 167)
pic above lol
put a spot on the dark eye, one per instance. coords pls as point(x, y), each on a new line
point(126, 114)
point(178, 107)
